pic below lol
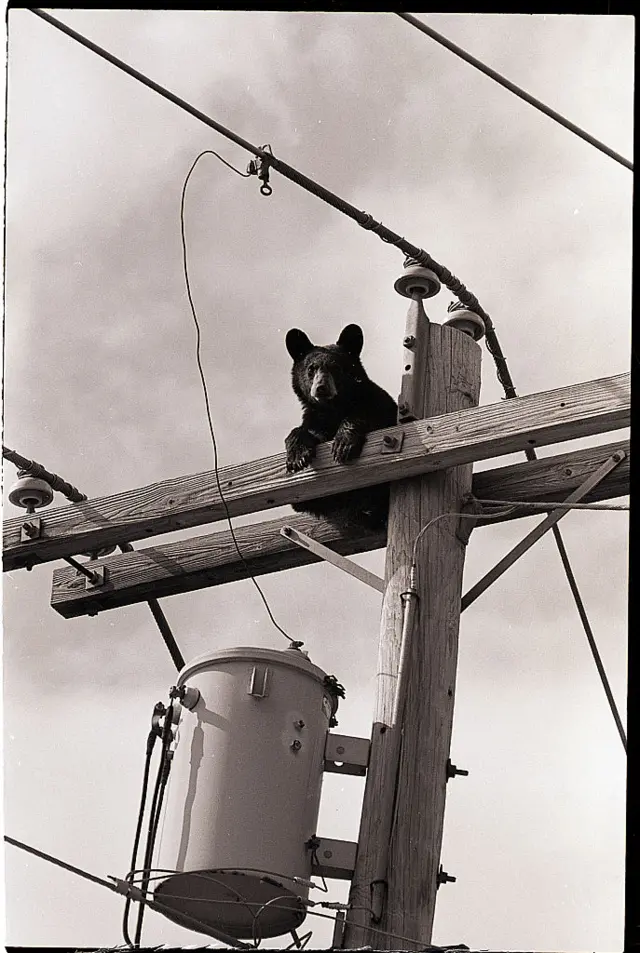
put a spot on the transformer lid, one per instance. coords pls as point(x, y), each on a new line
point(293, 658)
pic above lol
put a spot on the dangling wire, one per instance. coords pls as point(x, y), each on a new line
point(151, 740)
point(206, 394)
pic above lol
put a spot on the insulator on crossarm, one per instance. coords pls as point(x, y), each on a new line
point(417, 281)
point(466, 321)
point(30, 492)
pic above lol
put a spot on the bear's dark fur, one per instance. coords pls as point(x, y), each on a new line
point(339, 403)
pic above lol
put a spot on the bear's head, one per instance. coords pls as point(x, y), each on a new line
point(326, 375)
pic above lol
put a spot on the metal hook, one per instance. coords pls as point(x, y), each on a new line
point(265, 189)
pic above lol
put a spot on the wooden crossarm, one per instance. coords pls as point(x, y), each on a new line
point(213, 560)
point(433, 444)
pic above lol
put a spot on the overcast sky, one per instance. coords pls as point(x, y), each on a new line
point(101, 386)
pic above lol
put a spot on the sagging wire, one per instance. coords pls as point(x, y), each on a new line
point(206, 393)
point(254, 923)
point(311, 912)
point(442, 516)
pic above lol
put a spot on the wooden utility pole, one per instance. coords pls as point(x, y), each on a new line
point(396, 872)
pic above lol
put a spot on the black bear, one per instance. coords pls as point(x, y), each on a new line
point(342, 404)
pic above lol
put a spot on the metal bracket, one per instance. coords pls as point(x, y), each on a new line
point(259, 681)
point(465, 523)
point(338, 929)
point(453, 770)
point(443, 877)
point(337, 859)
point(330, 556)
point(344, 754)
point(100, 574)
point(392, 442)
point(31, 529)
point(610, 464)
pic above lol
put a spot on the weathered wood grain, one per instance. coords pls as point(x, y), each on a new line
point(213, 560)
point(403, 809)
point(451, 439)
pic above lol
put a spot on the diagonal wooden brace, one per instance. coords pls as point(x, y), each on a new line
point(341, 562)
point(540, 530)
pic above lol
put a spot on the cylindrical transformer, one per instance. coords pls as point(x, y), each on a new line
point(244, 791)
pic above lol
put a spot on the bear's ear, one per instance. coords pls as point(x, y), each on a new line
point(351, 340)
point(298, 344)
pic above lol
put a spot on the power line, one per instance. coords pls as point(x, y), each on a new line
point(72, 493)
point(617, 507)
point(37, 470)
point(126, 888)
point(591, 639)
point(439, 38)
point(363, 219)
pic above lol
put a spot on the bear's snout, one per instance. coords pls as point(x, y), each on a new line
point(323, 386)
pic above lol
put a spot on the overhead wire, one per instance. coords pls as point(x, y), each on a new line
point(75, 496)
point(124, 887)
point(493, 74)
point(120, 887)
point(368, 222)
point(363, 219)
point(206, 393)
point(151, 740)
point(615, 507)
point(514, 505)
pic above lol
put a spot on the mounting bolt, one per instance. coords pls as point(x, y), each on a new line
point(618, 456)
point(389, 440)
point(403, 407)
point(409, 341)
point(444, 878)
point(453, 770)
point(299, 724)
point(295, 745)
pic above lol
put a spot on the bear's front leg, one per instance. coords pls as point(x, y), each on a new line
point(301, 449)
point(348, 441)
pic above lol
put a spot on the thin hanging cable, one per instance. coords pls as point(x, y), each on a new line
point(363, 219)
point(154, 812)
point(439, 38)
point(206, 393)
point(151, 740)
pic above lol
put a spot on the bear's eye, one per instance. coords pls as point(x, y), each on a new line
point(311, 370)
